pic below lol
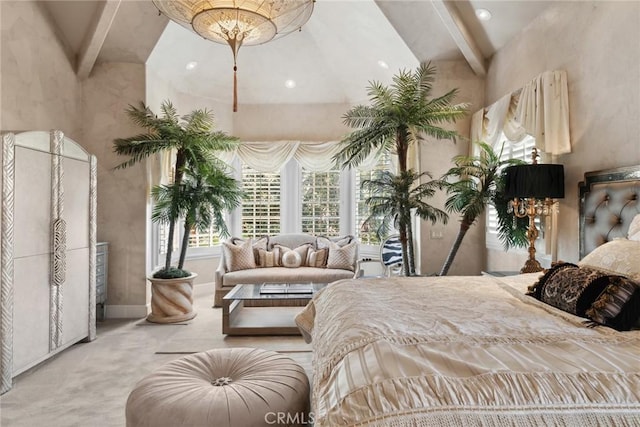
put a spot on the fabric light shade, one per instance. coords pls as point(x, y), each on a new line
point(535, 181)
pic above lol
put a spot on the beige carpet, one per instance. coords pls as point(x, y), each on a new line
point(204, 332)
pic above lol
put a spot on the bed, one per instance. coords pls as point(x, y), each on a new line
point(478, 351)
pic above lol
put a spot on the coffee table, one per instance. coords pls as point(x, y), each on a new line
point(276, 319)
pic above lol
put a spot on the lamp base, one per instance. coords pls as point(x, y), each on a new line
point(531, 266)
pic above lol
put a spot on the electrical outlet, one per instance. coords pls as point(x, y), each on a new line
point(437, 234)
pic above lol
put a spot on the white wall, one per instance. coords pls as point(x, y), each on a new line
point(598, 44)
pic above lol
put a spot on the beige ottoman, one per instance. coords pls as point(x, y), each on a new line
point(235, 387)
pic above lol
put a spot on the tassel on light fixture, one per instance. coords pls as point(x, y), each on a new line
point(238, 22)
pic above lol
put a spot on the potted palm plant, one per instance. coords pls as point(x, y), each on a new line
point(391, 195)
point(472, 184)
point(199, 194)
point(399, 115)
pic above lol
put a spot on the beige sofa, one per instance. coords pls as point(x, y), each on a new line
point(323, 262)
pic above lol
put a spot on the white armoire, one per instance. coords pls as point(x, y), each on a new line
point(48, 249)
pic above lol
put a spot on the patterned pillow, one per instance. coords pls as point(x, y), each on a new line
point(618, 256)
point(266, 258)
point(618, 306)
point(317, 257)
point(634, 229)
point(342, 257)
point(323, 242)
point(280, 251)
point(238, 257)
point(257, 243)
point(291, 259)
point(570, 288)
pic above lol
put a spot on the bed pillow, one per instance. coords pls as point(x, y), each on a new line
point(570, 288)
point(238, 256)
point(618, 306)
point(634, 229)
point(619, 256)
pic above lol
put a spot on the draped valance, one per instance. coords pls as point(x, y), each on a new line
point(265, 156)
point(540, 108)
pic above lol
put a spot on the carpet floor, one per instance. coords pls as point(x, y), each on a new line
point(88, 384)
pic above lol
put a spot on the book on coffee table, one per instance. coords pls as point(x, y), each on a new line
point(286, 288)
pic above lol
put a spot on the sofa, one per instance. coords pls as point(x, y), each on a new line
point(284, 258)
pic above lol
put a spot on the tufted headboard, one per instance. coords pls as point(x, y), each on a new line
point(609, 199)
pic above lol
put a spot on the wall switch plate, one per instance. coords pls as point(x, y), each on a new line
point(437, 234)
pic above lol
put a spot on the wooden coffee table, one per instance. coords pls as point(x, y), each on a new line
point(277, 319)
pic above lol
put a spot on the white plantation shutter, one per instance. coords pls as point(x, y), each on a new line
point(321, 202)
point(261, 205)
point(367, 236)
point(510, 150)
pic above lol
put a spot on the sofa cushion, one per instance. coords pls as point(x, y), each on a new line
point(238, 257)
point(317, 257)
point(257, 244)
point(285, 275)
point(291, 240)
point(267, 258)
point(342, 257)
point(280, 252)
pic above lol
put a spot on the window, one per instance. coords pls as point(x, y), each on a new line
point(510, 150)
point(292, 200)
point(367, 233)
point(321, 202)
point(261, 203)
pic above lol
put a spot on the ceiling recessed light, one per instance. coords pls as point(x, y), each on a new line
point(290, 84)
point(483, 14)
point(191, 65)
point(383, 64)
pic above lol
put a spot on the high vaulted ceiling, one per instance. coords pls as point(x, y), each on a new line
point(331, 60)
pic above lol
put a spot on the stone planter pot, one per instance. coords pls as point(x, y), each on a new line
point(171, 300)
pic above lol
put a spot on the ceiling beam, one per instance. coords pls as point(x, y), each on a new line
point(94, 39)
point(461, 35)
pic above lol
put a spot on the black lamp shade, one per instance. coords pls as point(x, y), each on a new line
point(538, 180)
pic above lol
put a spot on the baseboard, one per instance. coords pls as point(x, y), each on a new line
point(127, 311)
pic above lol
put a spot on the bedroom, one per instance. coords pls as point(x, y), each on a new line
point(595, 42)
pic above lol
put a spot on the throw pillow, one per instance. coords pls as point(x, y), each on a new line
point(634, 229)
point(323, 242)
point(291, 259)
point(238, 257)
point(618, 306)
point(570, 288)
point(280, 251)
point(342, 257)
point(618, 256)
point(317, 257)
point(257, 244)
point(266, 258)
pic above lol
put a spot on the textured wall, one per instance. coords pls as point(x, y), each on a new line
point(122, 194)
point(436, 158)
point(598, 44)
point(39, 86)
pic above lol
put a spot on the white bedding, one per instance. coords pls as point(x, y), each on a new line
point(472, 351)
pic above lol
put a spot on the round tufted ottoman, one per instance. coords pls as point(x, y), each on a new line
point(235, 387)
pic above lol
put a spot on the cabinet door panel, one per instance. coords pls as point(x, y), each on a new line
point(76, 202)
point(32, 226)
point(31, 311)
point(75, 311)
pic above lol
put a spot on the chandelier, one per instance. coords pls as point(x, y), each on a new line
point(238, 22)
